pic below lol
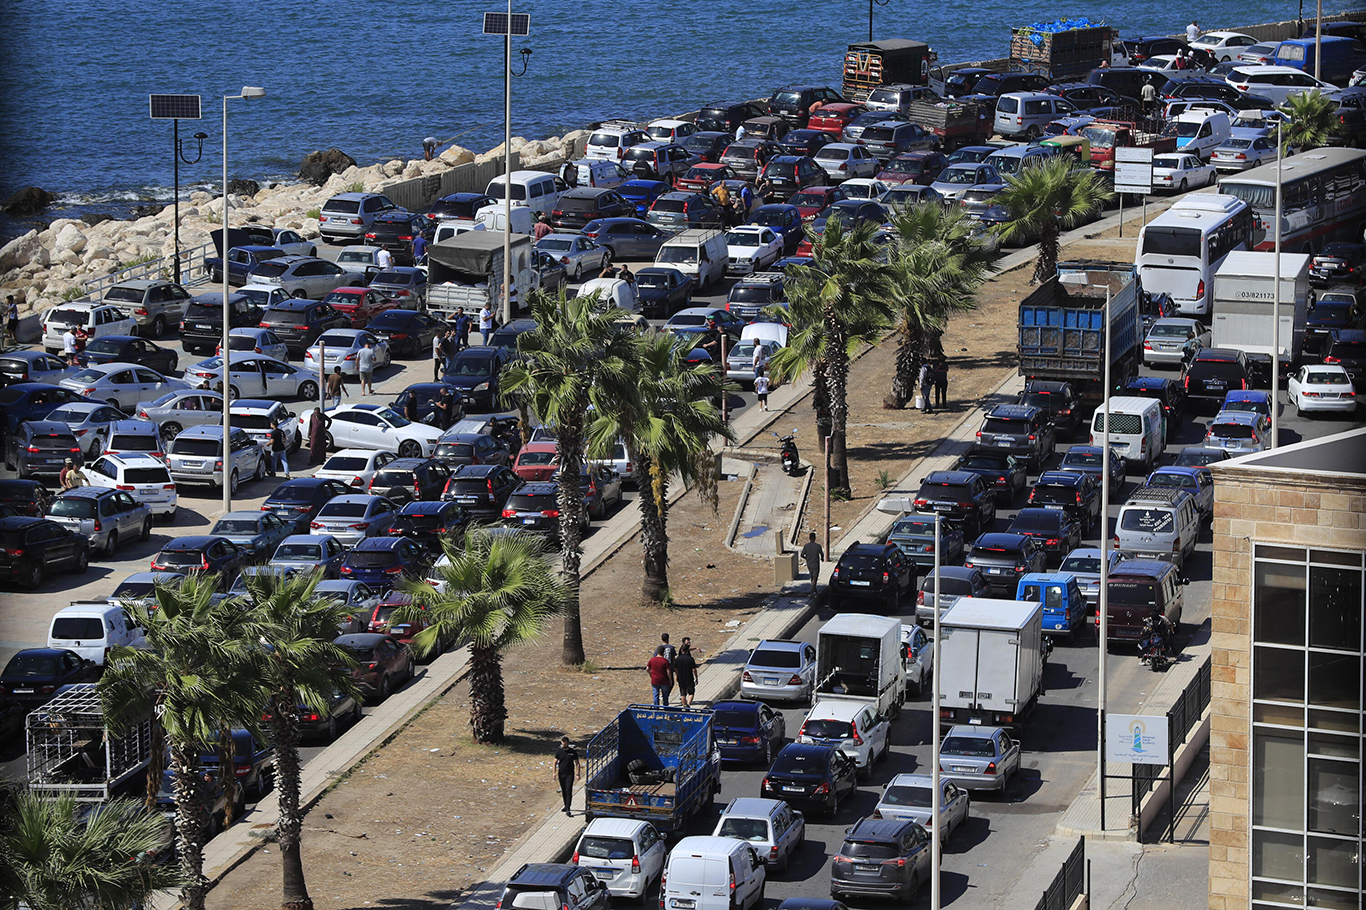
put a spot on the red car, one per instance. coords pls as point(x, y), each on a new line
point(381, 622)
point(536, 461)
point(700, 176)
point(383, 664)
point(833, 118)
point(918, 167)
point(360, 304)
point(816, 199)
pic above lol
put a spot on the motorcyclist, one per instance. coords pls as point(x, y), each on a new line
point(1157, 633)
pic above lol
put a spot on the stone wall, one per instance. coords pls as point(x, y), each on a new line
point(1262, 506)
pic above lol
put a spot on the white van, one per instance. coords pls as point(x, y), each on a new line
point(1137, 430)
point(1201, 132)
point(699, 253)
point(712, 873)
point(445, 230)
point(613, 292)
point(493, 217)
point(536, 190)
point(774, 828)
point(91, 629)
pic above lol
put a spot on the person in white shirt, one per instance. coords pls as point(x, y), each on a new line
point(739, 132)
point(69, 344)
point(1192, 31)
point(384, 259)
point(486, 322)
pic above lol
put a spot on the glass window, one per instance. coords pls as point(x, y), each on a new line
point(1334, 608)
point(1278, 674)
point(1277, 855)
point(1278, 782)
point(1278, 604)
point(1334, 797)
point(1335, 679)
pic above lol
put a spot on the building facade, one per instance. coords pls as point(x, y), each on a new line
point(1286, 701)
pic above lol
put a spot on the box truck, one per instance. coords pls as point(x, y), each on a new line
point(991, 659)
point(1244, 297)
point(858, 657)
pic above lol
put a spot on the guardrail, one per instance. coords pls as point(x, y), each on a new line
point(1068, 883)
point(163, 267)
point(1181, 719)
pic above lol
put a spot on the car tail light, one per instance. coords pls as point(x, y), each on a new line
point(746, 677)
point(1332, 359)
point(315, 524)
point(121, 486)
point(393, 570)
point(1032, 437)
point(1116, 543)
point(89, 391)
point(921, 503)
point(886, 577)
point(920, 598)
point(357, 221)
point(967, 563)
point(357, 481)
point(766, 784)
point(171, 486)
point(359, 527)
point(858, 740)
point(33, 450)
point(551, 513)
point(991, 768)
point(1147, 345)
point(1176, 545)
point(1052, 542)
point(14, 551)
point(795, 680)
point(573, 859)
point(509, 513)
point(823, 789)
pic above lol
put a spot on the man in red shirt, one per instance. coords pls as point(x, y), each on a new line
point(661, 677)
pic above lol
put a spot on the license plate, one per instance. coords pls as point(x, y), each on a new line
point(963, 769)
point(682, 904)
point(605, 874)
point(1005, 442)
point(866, 867)
point(794, 789)
point(200, 325)
point(23, 691)
point(528, 521)
point(1217, 384)
point(861, 584)
point(770, 680)
point(978, 722)
point(1055, 508)
point(192, 464)
point(992, 571)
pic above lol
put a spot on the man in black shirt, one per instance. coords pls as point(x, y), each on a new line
point(566, 770)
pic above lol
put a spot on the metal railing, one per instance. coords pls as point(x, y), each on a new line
point(1181, 719)
point(163, 267)
point(1068, 883)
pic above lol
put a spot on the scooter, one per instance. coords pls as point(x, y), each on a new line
point(1153, 648)
point(792, 465)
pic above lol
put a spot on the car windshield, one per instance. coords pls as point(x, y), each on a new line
point(69, 415)
point(747, 829)
point(742, 238)
point(597, 847)
point(67, 507)
point(968, 745)
point(959, 586)
point(772, 657)
point(1037, 520)
point(1332, 310)
point(28, 665)
point(134, 589)
point(914, 797)
point(1322, 377)
point(271, 269)
point(1171, 481)
point(1087, 564)
point(104, 346)
point(197, 447)
point(1146, 520)
point(89, 376)
point(346, 463)
point(147, 475)
point(677, 254)
point(299, 551)
point(473, 365)
point(959, 176)
point(914, 527)
point(1172, 330)
point(336, 509)
point(1232, 431)
point(1248, 405)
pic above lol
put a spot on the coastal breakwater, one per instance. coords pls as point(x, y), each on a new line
point(69, 257)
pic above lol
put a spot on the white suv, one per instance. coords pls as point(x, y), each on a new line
point(97, 319)
point(625, 854)
point(853, 727)
point(254, 415)
point(145, 478)
point(611, 140)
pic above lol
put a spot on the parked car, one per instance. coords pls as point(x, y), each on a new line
point(427, 394)
point(259, 532)
point(979, 758)
point(1089, 460)
point(353, 517)
point(811, 776)
point(663, 291)
point(914, 535)
point(144, 477)
point(342, 348)
point(299, 499)
point(383, 664)
point(31, 548)
point(1003, 557)
point(884, 857)
point(426, 523)
point(625, 854)
point(196, 457)
point(1021, 430)
point(202, 327)
point(408, 332)
point(310, 553)
point(1003, 473)
point(1240, 432)
point(360, 303)
point(407, 480)
point(204, 554)
point(95, 319)
point(1320, 388)
point(122, 384)
point(381, 562)
point(40, 448)
point(919, 167)
point(624, 238)
point(300, 322)
point(476, 372)
point(577, 253)
point(32, 366)
point(128, 349)
point(1057, 400)
point(377, 426)
point(34, 675)
point(104, 516)
point(346, 216)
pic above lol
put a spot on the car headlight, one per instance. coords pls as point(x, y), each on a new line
point(481, 387)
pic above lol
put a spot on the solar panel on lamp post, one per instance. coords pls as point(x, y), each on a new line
point(176, 108)
point(248, 92)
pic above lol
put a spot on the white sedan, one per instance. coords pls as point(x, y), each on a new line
point(343, 350)
point(578, 255)
point(1322, 387)
point(1181, 172)
point(377, 426)
point(1224, 46)
point(864, 188)
point(122, 384)
point(752, 248)
point(257, 376)
point(355, 467)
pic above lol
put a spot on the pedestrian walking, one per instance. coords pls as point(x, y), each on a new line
point(661, 677)
point(486, 323)
point(566, 771)
point(12, 319)
point(317, 437)
point(419, 249)
point(941, 381)
point(760, 359)
point(1192, 31)
point(926, 404)
point(1148, 95)
point(71, 476)
point(462, 331)
point(336, 386)
point(542, 227)
point(365, 365)
point(812, 554)
point(69, 346)
point(439, 346)
point(279, 458)
point(384, 259)
point(685, 672)
point(761, 391)
point(669, 650)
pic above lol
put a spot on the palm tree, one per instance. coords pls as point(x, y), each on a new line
point(196, 673)
point(834, 310)
point(54, 857)
point(577, 346)
point(298, 665)
point(940, 261)
point(497, 592)
point(1046, 200)
point(665, 413)
point(1313, 119)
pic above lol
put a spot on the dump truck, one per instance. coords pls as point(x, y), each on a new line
point(1244, 297)
point(1062, 327)
point(467, 271)
point(1107, 135)
point(72, 751)
point(991, 660)
point(858, 658)
point(870, 64)
point(660, 765)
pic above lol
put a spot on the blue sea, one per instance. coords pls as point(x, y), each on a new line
point(374, 78)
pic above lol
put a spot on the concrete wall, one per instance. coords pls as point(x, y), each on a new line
point(1261, 506)
point(418, 194)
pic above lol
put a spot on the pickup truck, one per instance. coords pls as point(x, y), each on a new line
point(659, 765)
point(954, 123)
point(1107, 135)
point(241, 261)
point(71, 751)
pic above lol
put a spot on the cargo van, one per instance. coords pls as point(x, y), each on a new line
point(1340, 57)
point(536, 190)
point(1136, 589)
point(699, 253)
point(1201, 132)
point(493, 217)
point(91, 629)
point(712, 873)
point(1137, 430)
point(1159, 523)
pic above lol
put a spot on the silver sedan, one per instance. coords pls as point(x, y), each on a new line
point(89, 422)
point(175, 411)
point(911, 796)
point(1173, 341)
point(979, 758)
point(577, 254)
point(343, 350)
point(122, 384)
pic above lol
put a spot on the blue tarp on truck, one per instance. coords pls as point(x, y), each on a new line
point(656, 764)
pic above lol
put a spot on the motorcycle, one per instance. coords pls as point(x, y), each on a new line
point(792, 464)
point(1154, 649)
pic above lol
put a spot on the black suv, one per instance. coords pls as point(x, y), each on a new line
point(30, 548)
point(1195, 84)
point(1072, 492)
point(458, 205)
point(27, 497)
point(1336, 308)
point(1057, 400)
point(300, 322)
point(1003, 472)
point(962, 497)
point(751, 295)
point(725, 116)
point(793, 102)
point(395, 232)
point(405, 480)
point(1019, 429)
point(1347, 347)
point(789, 174)
point(574, 887)
point(482, 490)
point(1056, 532)
point(425, 523)
point(586, 203)
point(299, 500)
point(535, 507)
point(872, 571)
point(1338, 263)
point(1213, 373)
point(40, 448)
point(889, 857)
point(201, 329)
point(1003, 559)
point(1168, 392)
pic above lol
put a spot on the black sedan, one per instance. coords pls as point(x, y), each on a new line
point(299, 500)
point(425, 522)
point(34, 674)
point(1003, 472)
point(129, 349)
point(203, 554)
point(426, 394)
point(811, 776)
point(1057, 532)
point(408, 332)
point(663, 291)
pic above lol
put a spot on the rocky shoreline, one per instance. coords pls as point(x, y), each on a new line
point(43, 268)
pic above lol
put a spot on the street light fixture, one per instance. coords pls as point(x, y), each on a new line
point(248, 92)
point(179, 157)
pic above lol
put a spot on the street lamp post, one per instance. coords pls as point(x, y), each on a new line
point(248, 92)
point(179, 157)
point(1276, 295)
point(870, 14)
point(507, 25)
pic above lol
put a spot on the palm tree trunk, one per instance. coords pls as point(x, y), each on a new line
point(191, 820)
point(488, 705)
point(1047, 264)
point(571, 531)
point(837, 380)
point(654, 541)
point(227, 763)
point(907, 367)
point(156, 762)
point(284, 730)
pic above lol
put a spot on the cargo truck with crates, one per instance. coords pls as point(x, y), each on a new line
point(73, 751)
point(467, 271)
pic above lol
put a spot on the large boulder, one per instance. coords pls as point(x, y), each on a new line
point(318, 166)
point(29, 201)
point(19, 251)
point(242, 187)
point(69, 238)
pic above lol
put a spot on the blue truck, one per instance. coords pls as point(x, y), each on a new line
point(1062, 327)
point(660, 765)
point(1064, 607)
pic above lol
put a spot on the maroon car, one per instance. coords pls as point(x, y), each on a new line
point(383, 663)
point(918, 167)
point(814, 200)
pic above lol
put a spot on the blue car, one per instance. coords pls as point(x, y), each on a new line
point(33, 401)
point(1195, 480)
point(643, 193)
point(1256, 401)
point(785, 220)
point(381, 561)
point(748, 731)
point(1064, 606)
point(474, 371)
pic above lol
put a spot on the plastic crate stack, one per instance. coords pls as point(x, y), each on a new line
point(1067, 47)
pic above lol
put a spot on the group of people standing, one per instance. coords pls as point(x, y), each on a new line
point(934, 384)
point(670, 666)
